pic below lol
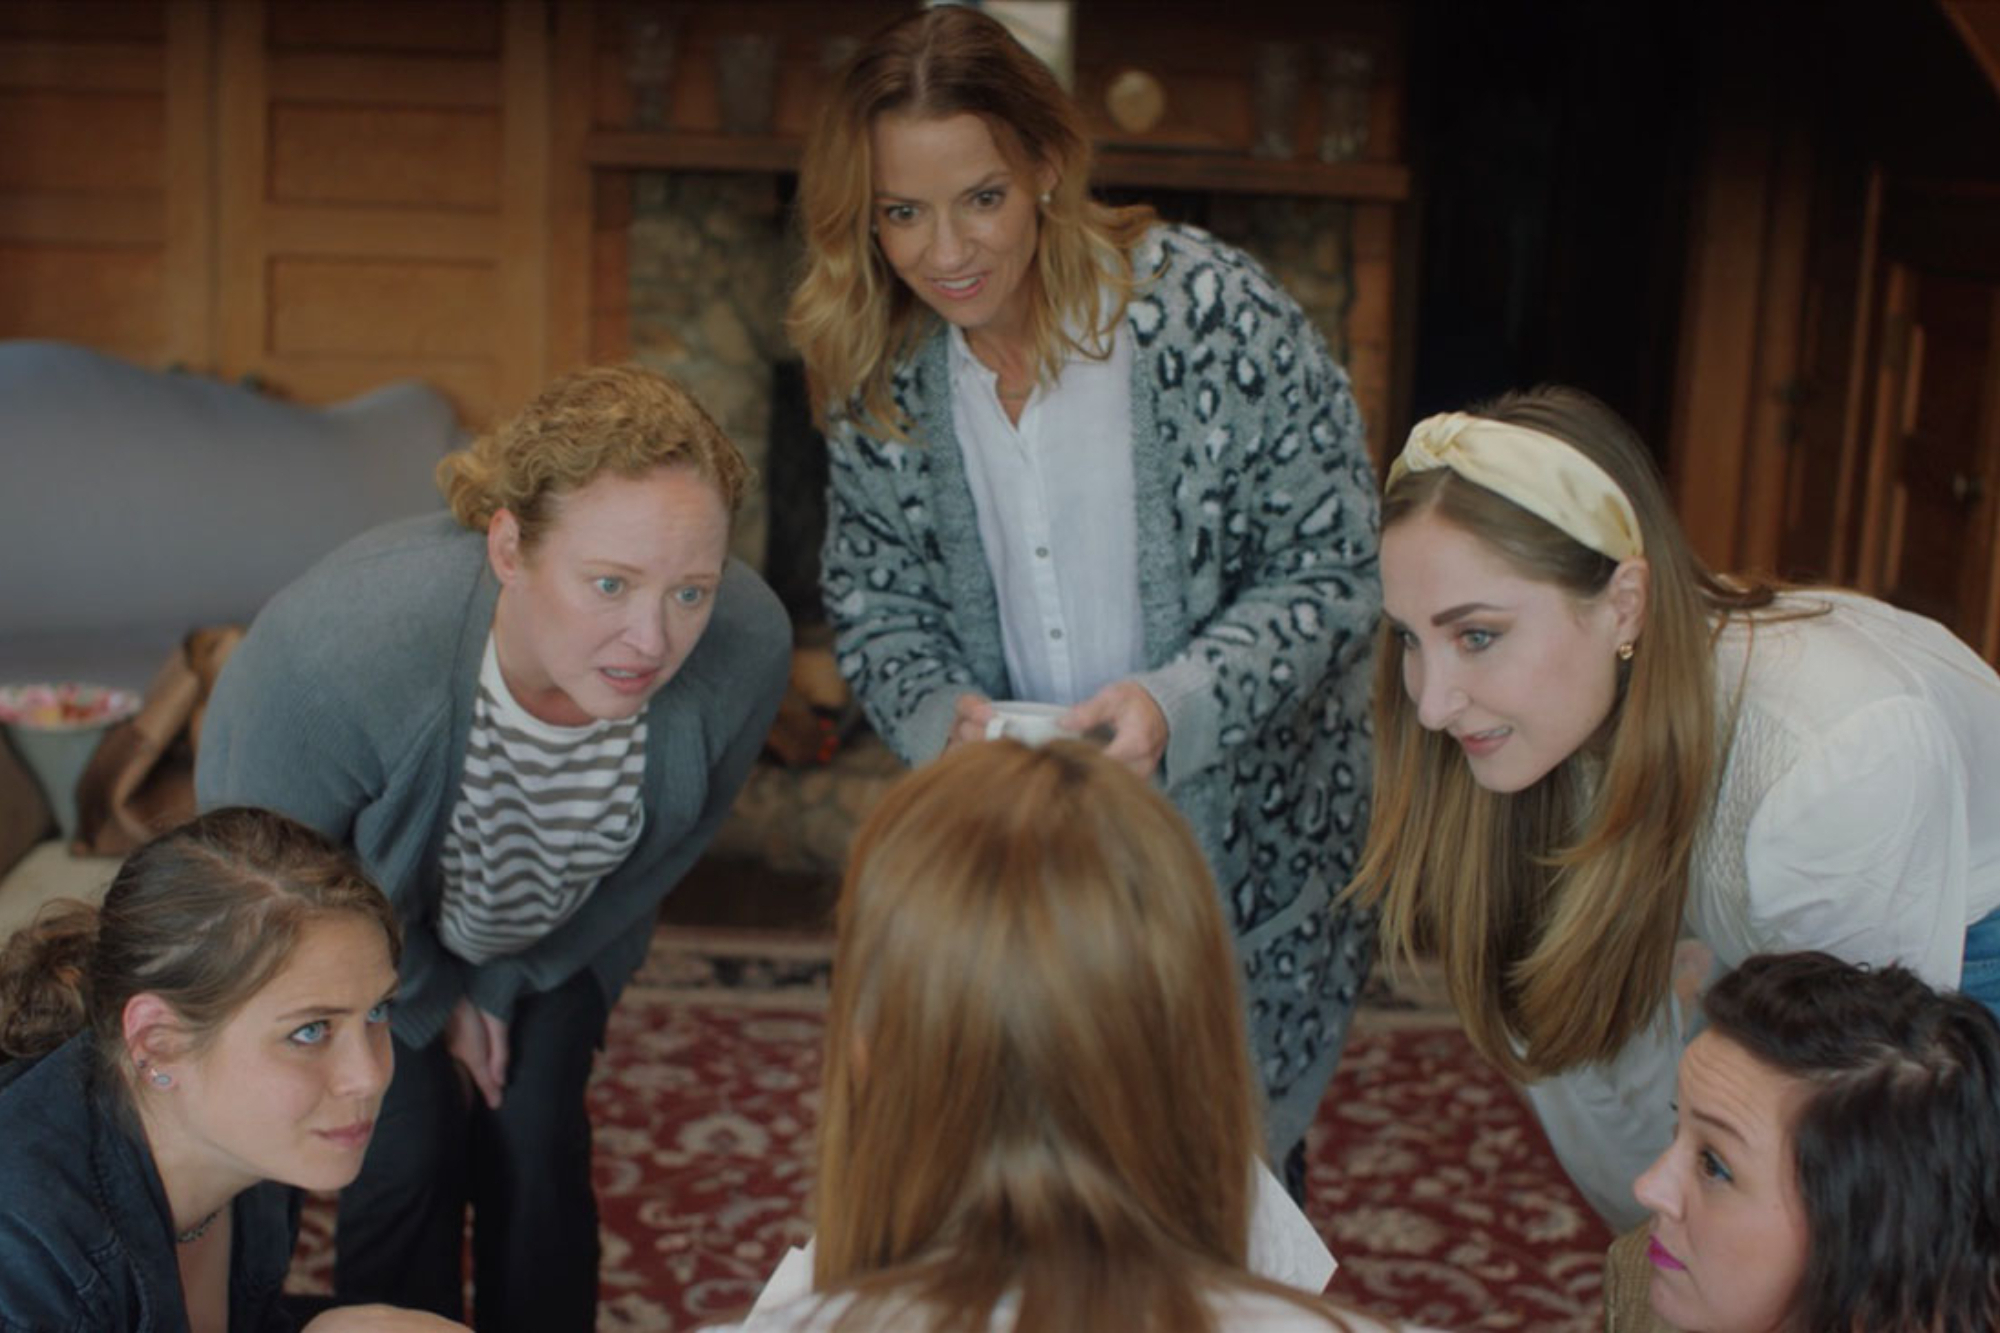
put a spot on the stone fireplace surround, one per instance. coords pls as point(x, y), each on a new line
point(711, 255)
point(710, 258)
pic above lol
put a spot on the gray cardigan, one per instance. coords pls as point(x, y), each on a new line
point(1259, 594)
point(347, 707)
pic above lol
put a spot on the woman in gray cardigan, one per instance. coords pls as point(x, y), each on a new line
point(528, 718)
point(1083, 458)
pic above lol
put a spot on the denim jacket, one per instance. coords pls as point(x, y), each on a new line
point(86, 1238)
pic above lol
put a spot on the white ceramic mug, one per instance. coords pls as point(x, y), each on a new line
point(1026, 722)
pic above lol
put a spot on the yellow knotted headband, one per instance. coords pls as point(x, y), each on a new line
point(1548, 477)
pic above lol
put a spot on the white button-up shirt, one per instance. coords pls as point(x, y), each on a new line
point(1058, 519)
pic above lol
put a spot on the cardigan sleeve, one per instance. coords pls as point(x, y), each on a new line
point(893, 621)
point(1274, 486)
point(283, 732)
point(276, 735)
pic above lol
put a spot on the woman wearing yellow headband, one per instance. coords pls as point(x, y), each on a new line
point(1589, 748)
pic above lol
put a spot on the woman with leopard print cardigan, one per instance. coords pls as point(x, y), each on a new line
point(1081, 457)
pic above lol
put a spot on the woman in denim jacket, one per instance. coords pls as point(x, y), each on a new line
point(214, 1035)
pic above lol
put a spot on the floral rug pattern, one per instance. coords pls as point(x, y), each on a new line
point(1427, 1175)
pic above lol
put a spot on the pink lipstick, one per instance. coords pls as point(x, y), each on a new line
point(1662, 1259)
point(351, 1136)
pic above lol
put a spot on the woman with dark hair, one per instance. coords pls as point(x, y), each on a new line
point(1837, 1163)
point(1038, 1107)
point(181, 1061)
point(1082, 458)
point(528, 717)
point(1589, 747)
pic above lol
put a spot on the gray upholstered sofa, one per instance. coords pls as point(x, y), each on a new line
point(136, 505)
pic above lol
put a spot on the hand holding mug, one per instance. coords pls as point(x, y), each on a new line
point(1137, 725)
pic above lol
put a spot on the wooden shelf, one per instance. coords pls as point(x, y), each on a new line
point(1238, 173)
point(641, 150)
point(645, 150)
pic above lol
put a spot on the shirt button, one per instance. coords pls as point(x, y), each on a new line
point(1055, 634)
point(1041, 553)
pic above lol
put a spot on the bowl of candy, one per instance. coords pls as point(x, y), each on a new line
point(55, 729)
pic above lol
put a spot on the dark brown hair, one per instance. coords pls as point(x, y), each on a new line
point(203, 916)
point(1896, 1146)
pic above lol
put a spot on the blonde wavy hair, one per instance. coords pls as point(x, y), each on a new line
point(1555, 910)
point(851, 319)
point(618, 419)
point(1037, 1074)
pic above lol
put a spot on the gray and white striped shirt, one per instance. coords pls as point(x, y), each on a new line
point(544, 812)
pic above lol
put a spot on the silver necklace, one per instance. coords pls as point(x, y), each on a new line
point(198, 1230)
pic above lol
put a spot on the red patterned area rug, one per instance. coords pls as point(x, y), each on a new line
point(1429, 1177)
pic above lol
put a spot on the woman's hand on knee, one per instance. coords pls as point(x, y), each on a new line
point(478, 1040)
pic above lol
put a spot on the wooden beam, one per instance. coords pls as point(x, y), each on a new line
point(189, 281)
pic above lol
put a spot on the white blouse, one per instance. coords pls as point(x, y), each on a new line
point(1858, 813)
point(1058, 519)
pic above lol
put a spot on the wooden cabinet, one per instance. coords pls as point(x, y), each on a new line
point(106, 175)
point(323, 195)
point(382, 208)
point(1838, 413)
point(320, 196)
point(1932, 465)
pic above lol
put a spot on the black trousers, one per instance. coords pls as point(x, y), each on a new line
point(523, 1170)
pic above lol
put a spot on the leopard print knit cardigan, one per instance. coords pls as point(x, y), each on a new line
point(1259, 590)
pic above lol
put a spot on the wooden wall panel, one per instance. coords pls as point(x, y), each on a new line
point(1371, 330)
point(402, 157)
point(99, 21)
point(107, 297)
point(568, 325)
point(92, 114)
point(188, 288)
point(359, 307)
point(437, 27)
point(82, 140)
point(384, 207)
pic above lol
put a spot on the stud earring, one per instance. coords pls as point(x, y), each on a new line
point(1045, 198)
point(162, 1079)
point(1626, 650)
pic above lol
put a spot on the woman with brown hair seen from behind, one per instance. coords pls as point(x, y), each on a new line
point(180, 1062)
point(1086, 460)
point(528, 717)
point(1038, 1110)
point(1588, 747)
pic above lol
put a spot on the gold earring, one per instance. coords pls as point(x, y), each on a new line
point(1626, 649)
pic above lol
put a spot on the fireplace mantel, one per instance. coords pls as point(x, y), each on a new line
point(1172, 169)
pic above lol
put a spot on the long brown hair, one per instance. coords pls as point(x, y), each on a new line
point(1555, 909)
point(203, 916)
point(1037, 1076)
point(852, 320)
